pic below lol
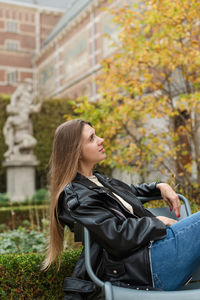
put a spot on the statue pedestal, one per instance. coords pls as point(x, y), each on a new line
point(20, 179)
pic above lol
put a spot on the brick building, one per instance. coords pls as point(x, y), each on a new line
point(24, 26)
point(71, 55)
point(59, 44)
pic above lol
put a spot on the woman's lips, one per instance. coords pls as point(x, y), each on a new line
point(102, 150)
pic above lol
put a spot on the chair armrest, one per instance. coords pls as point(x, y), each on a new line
point(88, 265)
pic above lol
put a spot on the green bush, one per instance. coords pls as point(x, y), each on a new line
point(4, 199)
point(21, 277)
point(44, 126)
point(22, 240)
point(40, 196)
point(4, 101)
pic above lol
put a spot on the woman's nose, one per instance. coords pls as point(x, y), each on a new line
point(100, 141)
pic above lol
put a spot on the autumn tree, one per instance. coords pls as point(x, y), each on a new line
point(150, 91)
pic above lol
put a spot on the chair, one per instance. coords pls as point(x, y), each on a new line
point(164, 211)
point(189, 292)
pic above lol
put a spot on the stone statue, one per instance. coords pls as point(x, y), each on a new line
point(18, 131)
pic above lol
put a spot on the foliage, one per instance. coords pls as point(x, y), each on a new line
point(4, 199)
point(4, 101)
point(22, 241)
point(150, 92)
point(45, 124)
point(12, 217)
point(21, 278)
point(40, 196)
point(162, 203)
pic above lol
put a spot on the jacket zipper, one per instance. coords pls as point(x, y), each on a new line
point(118, 212)
point(114, 197)
point(150, 243)
point(150, 262)
point(110, 195)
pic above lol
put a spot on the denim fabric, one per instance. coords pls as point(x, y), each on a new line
point(176, 257)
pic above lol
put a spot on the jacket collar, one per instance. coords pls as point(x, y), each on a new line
point(79, 178)
point(121, 189)
point(106, 181)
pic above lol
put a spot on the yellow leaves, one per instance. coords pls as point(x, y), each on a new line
point(142, 131)
point(196, 185)
point(188, 168)
point(160, 159)
point(184, 153)
point(181, 130)
point(158, 61)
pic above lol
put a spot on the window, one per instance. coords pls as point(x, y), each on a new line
point(12, 45)
point(12, 77)
point(11, 26)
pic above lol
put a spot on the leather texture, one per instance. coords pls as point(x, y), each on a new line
point(119, 239)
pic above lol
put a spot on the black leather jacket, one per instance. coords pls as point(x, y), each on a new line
point(120, 240)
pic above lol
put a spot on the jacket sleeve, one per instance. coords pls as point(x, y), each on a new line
point(145, 189)
point(117, 236)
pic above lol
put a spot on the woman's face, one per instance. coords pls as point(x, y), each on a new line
point(92, 147)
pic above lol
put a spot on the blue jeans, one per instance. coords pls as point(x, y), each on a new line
point(176, 257)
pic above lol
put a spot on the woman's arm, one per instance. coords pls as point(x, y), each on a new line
point(166, 221)
point(159, 188)
point(146, 189)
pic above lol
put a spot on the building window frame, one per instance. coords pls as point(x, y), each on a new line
point(12, 77)
point(12, 26)
point(12, 45)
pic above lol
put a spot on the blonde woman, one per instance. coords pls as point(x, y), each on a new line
point(130, 246)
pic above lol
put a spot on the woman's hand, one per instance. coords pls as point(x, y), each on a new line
point(170, 196)
point(166, 221)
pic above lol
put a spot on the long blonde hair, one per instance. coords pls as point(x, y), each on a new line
point(63, 168)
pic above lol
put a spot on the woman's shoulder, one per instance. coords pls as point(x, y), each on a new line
point(79, 192)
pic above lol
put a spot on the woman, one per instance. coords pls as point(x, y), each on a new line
point(130, 246)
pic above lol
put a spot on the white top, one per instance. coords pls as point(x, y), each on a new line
point(126, 204)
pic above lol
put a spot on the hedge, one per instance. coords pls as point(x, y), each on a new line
point(4, 101)
point(12, 217)
point(21, 277)
point(44, 126)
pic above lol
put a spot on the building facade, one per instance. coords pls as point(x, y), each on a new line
point(70, 57)
point(24, 26)
point(58, 44)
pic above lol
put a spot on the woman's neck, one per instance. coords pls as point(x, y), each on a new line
point(87, 172)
